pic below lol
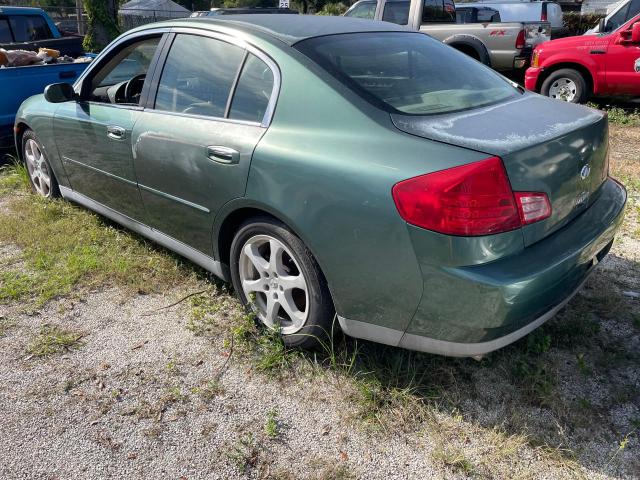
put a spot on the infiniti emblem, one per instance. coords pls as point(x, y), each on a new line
point(586, 170)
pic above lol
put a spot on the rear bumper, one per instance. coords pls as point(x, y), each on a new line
point(531, 78)
point(473, 310)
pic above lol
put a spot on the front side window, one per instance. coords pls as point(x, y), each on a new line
point(363, 10)
point(407, 72)
point(121, 79)
point(198, 76)
point(396, 12)
point(252, 94)
point(29, 28)
point(617, 19)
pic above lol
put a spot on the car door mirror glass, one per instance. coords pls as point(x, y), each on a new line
point(59, 92)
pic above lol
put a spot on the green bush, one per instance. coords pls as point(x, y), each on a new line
point(576, 24)
point(335, 9)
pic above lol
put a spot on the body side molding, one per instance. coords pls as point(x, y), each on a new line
point(160, 238)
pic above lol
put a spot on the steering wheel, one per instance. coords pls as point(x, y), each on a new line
point(133, 88)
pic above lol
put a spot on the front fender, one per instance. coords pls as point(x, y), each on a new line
point(595, 70)
point(37, 114)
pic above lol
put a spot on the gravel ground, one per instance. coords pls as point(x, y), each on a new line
point(142, 397)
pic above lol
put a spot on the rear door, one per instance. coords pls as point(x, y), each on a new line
point(622, 63)
point(193, 146)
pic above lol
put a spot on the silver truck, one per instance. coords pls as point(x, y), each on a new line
point(503, 46)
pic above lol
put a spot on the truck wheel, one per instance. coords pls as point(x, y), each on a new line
point(41, 176)
point(565, 84)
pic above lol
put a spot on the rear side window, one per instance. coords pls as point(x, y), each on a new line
point(29, 28)
point(5, 31)
point(438, 11)
point(488, 15)
point(253, 91)
point(198, 75)
point(363, 10)
point(407, 72)
point(396, 12)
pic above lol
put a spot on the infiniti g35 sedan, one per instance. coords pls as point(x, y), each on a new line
point(336, 166)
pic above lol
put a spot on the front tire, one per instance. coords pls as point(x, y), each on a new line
point(41, 177)
point(565, 84)
point(276, 275)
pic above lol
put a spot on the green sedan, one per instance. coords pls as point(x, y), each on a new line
point(337, 167)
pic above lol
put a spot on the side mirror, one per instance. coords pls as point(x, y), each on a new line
point(601, 25)
point(59, 92)
point(635, 33)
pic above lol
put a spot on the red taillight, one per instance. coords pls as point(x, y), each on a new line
point(543, 17)
point(532, 206)
point(470, 200)
point(473, 199)
point(520, 39)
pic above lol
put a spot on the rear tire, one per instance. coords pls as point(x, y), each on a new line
point(275, 274)
point(41, 177)
point(565, 84)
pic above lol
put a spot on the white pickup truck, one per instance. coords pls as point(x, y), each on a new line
point(503, 46)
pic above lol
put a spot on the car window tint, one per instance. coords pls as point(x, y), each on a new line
point(363, 10)
point(5, 31)
point(198, 76)
point(396, 12)
point(29, 28)
point(438, 11)
point(253, 91)
point(407, 72)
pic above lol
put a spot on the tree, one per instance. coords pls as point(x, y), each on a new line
point(102, 26)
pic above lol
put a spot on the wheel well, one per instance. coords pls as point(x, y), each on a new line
point(466, 49)
point(586, 74)
point(21, 128)
point(230, 226)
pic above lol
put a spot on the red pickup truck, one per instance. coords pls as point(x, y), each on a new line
point(574, 68)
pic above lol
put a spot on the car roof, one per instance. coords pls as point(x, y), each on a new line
point(20, 10)
point(291, 29)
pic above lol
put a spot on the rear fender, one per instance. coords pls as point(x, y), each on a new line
point(469, 41)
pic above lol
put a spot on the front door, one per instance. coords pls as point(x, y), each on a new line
point(623, 64)
point(94, 133)
point(193, 149)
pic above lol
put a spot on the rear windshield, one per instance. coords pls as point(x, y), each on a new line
point(408, 72)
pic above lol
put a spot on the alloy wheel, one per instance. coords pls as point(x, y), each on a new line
point(274, 284)
point(37, 168)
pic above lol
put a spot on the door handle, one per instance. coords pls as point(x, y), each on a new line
point(224, 155)
point(116, 133)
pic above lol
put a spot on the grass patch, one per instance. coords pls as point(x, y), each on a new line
point(6, 324)
point(14, 177)
point(64, 247)
point(271, 428)
point(52, 339)
point(619, 116)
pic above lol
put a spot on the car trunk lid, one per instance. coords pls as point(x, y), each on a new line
point(546, 145)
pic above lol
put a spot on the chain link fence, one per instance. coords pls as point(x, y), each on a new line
point(131, 18)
